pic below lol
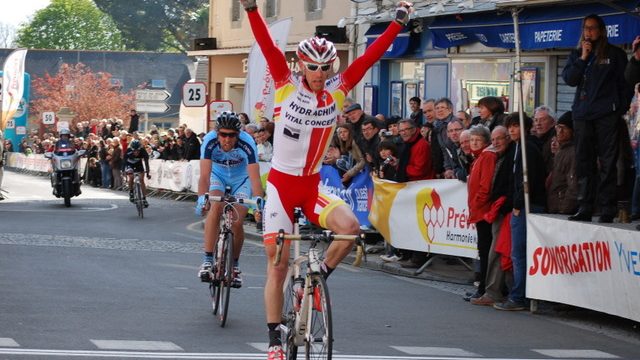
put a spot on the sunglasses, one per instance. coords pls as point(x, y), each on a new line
point(227, 135)
point(315, 67)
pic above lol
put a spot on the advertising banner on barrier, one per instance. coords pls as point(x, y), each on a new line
point(585, 265)
point(357, 195)
point(427, 215)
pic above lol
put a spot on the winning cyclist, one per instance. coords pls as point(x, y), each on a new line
point(229, 158)
point(305, 115)
point(133, 160)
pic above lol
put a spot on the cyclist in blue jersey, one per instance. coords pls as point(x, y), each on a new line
point(228, 158)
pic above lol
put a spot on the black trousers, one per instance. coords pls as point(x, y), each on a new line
point(485, 236)
point(596, 155)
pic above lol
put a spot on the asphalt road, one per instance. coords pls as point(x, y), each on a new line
point(95, 281)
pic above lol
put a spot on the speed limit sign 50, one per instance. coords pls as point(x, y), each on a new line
point(48, 118)
point(194, 94)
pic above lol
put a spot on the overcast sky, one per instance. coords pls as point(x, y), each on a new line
point(19, 11)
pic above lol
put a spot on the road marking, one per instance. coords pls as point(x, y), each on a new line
point(217, 356)
point(260, 346)
point(575, 354)
point(38, 209)
point(8, 342)
point(438, 351)
point(136, 345)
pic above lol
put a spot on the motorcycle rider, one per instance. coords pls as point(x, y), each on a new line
point(133, 160)
point(64, 147)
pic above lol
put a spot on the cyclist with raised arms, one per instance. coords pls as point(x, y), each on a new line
point(133, 163)
point(305, 113)
point(228, 158)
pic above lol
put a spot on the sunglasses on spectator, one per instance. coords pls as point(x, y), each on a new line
point(315, 67)
point(227, 135)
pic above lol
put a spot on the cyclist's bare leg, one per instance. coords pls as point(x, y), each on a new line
point(143, 186)
point(238, 230)
point(211, 224)
point(276, 275)
point(130, 182)
point(343, 221)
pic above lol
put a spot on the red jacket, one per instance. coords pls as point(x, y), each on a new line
point(419, 163)
point(479, 183)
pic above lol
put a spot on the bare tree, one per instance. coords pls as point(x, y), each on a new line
point(7, 35)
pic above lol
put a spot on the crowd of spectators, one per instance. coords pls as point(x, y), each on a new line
point(105, 142)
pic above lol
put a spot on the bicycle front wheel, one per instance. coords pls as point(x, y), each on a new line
point(289, 313)
point(139, 204)
point(227, 277)
point(319, 339)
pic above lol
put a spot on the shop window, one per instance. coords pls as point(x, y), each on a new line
point(270, 9)
point(473, 79)
point(314, 5)
point(235, 11)
point(408, 79)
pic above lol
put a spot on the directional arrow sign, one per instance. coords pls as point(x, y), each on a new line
point(150, 95)
point(152, 107)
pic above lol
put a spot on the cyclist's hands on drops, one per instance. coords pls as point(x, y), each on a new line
point(199, 209)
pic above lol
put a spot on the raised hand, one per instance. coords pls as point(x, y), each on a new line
point(249, 4)
point(402, 12)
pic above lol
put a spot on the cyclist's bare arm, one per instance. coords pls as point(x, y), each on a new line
point(254, 177)
point(205, 174)
point(275, 58)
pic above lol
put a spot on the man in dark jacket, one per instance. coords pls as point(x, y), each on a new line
point(596, 68)
point(563, 187)
point(537, 199)
point(133, 123)
point(191, 145)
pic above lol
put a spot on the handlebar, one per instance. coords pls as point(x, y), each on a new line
point(258, 202)
point(326, 236)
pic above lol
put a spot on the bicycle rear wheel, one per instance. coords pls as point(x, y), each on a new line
point(319, 341)
point(288, 321)
point(227, 277)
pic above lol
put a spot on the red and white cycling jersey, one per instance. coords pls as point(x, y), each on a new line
point(304, 124)
point(305, 120)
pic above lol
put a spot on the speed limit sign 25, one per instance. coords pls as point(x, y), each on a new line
point(194, 94)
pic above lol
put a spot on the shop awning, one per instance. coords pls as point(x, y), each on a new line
point(552, 26)
point(399, 46)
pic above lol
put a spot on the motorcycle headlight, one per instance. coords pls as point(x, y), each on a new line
point(66, 164)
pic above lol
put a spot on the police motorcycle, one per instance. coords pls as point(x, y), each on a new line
point(65, 178)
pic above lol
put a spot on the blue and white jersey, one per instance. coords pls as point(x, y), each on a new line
point(232, 164)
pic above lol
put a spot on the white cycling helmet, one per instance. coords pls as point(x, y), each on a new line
point(317, 50)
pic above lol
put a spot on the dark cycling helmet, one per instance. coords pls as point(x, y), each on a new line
point(229, 120)
point(135, 145)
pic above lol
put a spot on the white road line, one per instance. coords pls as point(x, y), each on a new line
point(37, 209)
point(136, 345)
point(438, 351)
point(214, 356)
point(8, 342)
point(575, 354)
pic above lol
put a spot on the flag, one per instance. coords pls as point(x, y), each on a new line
point(259, 88)
point(12, 84)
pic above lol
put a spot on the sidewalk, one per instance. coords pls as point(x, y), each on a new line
point(441, 268)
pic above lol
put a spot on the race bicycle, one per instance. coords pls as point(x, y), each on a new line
point(138, 197)
point(221, 276)
point(306, 318)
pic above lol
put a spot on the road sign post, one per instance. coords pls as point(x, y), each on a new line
point(152, 101)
